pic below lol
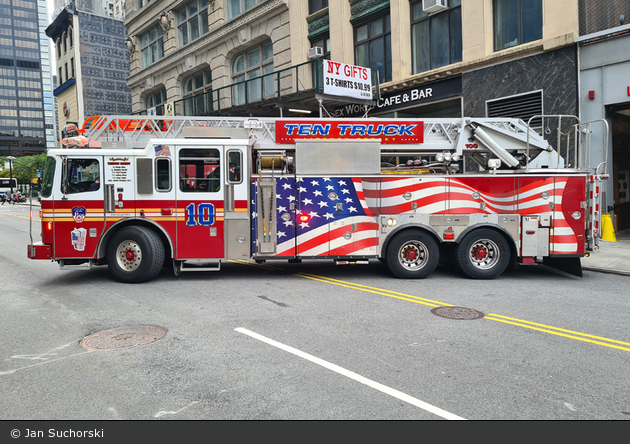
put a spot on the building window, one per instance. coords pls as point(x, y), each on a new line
point(192, 21)
point(64, 37)
point(373, 47)
point(318, 67)
point(70, 36)
point(436, 39)
point(58, 48)
point(72, 67)
point(256, 67)
point(198, 94)
point(516, 22)
point(155, 99)
point(152, 46)
point(236, 7)
point(316, 5)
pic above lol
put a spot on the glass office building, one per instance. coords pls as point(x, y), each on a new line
point(26, 102)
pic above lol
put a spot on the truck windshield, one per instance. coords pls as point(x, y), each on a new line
point(47, 178)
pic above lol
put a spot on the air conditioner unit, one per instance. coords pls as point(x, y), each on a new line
point(432, 6)
point(315, 51)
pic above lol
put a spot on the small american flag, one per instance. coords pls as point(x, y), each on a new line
point(162, 150)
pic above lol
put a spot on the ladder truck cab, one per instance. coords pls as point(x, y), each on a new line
point(140, 193)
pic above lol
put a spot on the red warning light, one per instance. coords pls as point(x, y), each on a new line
point(304, 217)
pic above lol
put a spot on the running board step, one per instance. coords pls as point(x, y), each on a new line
point(200, 265)
point(351, 262)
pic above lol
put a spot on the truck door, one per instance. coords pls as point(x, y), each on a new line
point(78, 207)
point(200, 210)
point(237, 225)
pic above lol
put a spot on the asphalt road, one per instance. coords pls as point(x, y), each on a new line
point(310, 341)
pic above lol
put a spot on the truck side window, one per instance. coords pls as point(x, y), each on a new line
point(163, 174)
point(234, 167)
point(199, 170)
point(83, 175)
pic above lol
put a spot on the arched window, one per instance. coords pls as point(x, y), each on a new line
point(198, 93)
point(156, 99)
point(65, 45)
point(256, 67)
point(58, 47)
point(70, 36)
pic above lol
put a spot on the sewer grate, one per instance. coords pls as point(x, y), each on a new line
point(458, 313)
point(123, 337)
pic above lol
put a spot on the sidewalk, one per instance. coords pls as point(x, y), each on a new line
point(612, 257)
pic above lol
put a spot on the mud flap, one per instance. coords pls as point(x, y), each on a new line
point(571, 265)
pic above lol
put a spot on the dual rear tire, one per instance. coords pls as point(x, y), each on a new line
point(481, 254)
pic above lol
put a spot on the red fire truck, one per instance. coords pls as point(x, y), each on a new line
point(142, 193)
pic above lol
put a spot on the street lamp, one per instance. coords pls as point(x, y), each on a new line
point(11, 174)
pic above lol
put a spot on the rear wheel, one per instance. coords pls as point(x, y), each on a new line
point(483, 254)
point(135, 254)
point(412, 254)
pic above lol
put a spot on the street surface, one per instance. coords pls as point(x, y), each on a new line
point(310, 341)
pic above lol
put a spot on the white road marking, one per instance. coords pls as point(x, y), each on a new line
point(349, 374)
point(163, 413)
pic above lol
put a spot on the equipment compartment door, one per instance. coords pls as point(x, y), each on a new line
point(569, 215)
point(489, 195)
point(200, 203)
point(333, 218)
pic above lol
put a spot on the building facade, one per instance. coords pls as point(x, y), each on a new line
point(604, 92)
point(26, 115)
point(92, 66)
point(252, 57)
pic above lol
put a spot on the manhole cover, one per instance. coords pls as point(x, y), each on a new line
point(460, 313)
point(123, 337)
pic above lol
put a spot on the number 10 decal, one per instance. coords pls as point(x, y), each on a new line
point(204, 215)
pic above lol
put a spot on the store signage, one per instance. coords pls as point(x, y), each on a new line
point(347, 80)
point(388, 131)
point(407, 97)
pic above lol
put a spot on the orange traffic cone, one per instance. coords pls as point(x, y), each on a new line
point(608, 231)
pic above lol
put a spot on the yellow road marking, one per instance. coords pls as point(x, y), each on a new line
point(388, 293)
point(567, 333)
point(492, 316)
point(19, 217)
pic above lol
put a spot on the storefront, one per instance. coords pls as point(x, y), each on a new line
point(442, 98)
point(605, 94)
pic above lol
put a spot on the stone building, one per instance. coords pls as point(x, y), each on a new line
point(251, 57)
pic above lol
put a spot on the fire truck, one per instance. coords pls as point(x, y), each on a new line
point(144, 193)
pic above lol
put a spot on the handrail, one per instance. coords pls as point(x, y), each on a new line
point(211, 101)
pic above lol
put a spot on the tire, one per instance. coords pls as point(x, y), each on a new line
point(412, 254)
point(483, 254)
point(135, 254)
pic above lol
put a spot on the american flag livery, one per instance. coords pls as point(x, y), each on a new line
point(363, 200)
point(339, 220)
point(502, 195)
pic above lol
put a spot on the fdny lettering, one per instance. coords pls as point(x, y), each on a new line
point(387, 131)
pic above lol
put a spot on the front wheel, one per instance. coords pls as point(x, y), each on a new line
point(483, 254)
point(412, 254)
point(135, 254)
